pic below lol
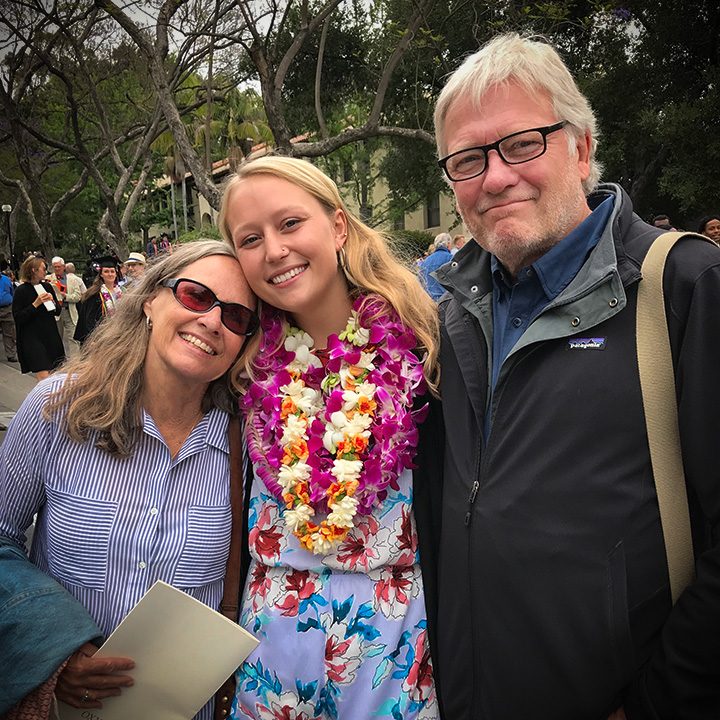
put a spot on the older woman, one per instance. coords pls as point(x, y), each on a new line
point(39, 344)
point(125, 458)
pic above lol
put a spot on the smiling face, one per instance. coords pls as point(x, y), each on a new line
point(58, 269)
point(517, 212)
point(134, 270)
point(189, 349)
point(712, 229)
point(287, 244)
point(108, 275)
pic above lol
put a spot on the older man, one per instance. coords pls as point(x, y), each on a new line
point(69, 288)
point(134, 267)
point(553, 599)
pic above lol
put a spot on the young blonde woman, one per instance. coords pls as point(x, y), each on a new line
point(336, 388)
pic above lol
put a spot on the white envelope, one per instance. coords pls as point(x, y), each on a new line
point(40, 290)
point(183, 652)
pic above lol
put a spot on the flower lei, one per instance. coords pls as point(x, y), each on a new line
point(108, 299)
point(332, 440)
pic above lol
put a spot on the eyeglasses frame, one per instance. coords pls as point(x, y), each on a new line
point(544, 131)
point(253, 325)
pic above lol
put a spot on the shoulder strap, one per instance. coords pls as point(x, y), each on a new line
point(230, 603)
point(657, 381)
point(231, 590)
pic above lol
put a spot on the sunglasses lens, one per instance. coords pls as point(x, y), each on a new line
point(193, 296)
point(197, 298)
point(239, 319)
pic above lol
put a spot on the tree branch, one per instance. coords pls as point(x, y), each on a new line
point(395, 58)
point(324, 147)
point(318, 78)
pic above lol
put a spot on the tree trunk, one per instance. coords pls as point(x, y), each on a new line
point(203, 182)
point(174, 212)
point(185, 207)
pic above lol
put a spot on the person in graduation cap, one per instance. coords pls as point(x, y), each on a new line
point(100, 300)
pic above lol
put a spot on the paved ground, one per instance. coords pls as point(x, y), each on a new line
point(14, 386)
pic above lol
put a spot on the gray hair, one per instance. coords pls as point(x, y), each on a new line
point(534, 65)
point(442, 239)
point(57, 259)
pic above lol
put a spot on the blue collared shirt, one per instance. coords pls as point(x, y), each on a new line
point(109, 527)
point(516, 304)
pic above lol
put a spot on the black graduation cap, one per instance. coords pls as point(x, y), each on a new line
point(107, 261)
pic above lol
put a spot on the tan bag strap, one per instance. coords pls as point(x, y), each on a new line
point(231, 592)
point(657, 380)
point(230, 603)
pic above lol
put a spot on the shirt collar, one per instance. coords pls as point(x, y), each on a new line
point(559, 265)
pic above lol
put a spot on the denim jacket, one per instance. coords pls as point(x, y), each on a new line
point(41, 625)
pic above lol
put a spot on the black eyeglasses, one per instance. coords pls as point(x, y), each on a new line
point(194, 296)
point(519, 147)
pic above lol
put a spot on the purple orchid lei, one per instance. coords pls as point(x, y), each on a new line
point(297, 411)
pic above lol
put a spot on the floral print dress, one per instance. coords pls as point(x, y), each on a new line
point(343, 635)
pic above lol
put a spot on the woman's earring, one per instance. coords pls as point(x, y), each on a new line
point(342, 264)
point(148, 322)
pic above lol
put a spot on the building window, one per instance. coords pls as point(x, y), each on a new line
point(432, 211)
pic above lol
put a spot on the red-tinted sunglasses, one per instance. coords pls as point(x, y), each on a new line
point(194, 296)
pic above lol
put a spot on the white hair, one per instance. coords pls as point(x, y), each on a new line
point(534, 65)
point(442, 239)
point(57, 259)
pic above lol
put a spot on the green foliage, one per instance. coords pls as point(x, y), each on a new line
point(412, 174)
point(347, 71)
point(651, 71)
point(208, 233)
point(409, 244)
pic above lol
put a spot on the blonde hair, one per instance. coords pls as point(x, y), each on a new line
point(534, 65)
point(368, 264)
point(29, 266)
point(102, 392)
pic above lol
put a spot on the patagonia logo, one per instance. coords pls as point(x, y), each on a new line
point(586, 343)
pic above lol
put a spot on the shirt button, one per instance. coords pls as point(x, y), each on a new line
point(517, 322)
point(154, 511)
point(142, 565)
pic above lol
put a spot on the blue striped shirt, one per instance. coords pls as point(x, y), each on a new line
point(109, 527)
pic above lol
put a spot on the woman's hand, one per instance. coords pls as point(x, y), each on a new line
point(40, 299)
point(86, 680)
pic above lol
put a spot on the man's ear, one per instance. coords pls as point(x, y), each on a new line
point(584, 146)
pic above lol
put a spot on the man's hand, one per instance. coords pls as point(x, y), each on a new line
point(619, 714)
point(86, 680)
